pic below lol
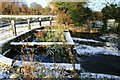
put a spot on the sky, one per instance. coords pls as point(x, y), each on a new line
point(95, 5)
point(43, 3)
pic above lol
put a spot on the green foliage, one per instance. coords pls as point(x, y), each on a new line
point(110, 12)
point(75, 10)
point(52, 36)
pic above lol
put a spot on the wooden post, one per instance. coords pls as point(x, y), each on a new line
point(40, 19)
point(50, 21)
point(29, 27)
point(13, 28)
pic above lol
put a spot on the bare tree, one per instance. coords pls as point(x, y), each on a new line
point(47, 10)
point(15, 8)
point(36, 8)
point(25, 9)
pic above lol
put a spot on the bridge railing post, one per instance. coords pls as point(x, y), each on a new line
point(29, 27)
point(13, 28)
point(50, 20)
point(40, 19)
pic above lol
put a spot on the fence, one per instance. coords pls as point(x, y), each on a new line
point(15, 29)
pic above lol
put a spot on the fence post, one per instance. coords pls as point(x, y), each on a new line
point(29, 27)
point(40, 19)
point(13, 28)
point(50, 20)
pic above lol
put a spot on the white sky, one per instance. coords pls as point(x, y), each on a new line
point(43, 3)
point(96, 5)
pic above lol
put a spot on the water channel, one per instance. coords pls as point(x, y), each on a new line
point(95, 53)
point(98, 58)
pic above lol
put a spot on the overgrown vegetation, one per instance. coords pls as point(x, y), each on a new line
point(57, 53)
point(50, 36)
point(35, 71)
point(55, 33)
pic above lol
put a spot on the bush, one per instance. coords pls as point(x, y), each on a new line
point(63, 18)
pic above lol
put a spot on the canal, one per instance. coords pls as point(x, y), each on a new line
point(93, 54)
point(97, 59)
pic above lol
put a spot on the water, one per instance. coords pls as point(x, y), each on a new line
point(99, 62)
point(107, 64)
point(104, 60)
point(39, 54)
point(94, 36)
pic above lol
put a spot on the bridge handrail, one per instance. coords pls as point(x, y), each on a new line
point(26, 16)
